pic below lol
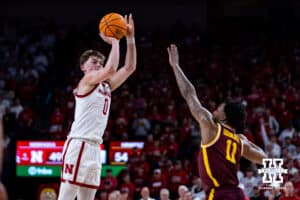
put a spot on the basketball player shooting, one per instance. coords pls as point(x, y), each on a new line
point(222, 145)
point(80, 176)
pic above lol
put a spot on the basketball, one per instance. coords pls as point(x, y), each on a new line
point(113, 25)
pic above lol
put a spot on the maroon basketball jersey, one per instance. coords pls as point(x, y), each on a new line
point(219, 160)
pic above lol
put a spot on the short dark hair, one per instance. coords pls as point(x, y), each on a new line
point(88, 53)
point(235, 113)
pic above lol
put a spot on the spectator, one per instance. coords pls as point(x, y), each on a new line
point(285, 117)
point(139, 179)
point(288, 132)
point(276, 148)
point(187, 196)
point(145, 194)
point(177, 177)
point(127, 185)
point(114, 195)
point(197, 189)
point(274, 194)
point(240, 177)
point(172, 150)
point(124, 194)
point(157, 182)
point(291, 167)
point(296, 181)
point(16, 107)
point(273, 150)
point(101, 195)
point(256, 194)
point(141, 126)
point(272, 121)
point(56, 123)
point(110, 183)
point(249, 181)
point(48, 191)
point(164, 194)
point(149, 146)
point(182, 189)
point(289, 192)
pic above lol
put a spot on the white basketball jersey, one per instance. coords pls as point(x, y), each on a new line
point(91, 113)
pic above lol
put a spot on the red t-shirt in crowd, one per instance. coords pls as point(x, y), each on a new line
point(295, 197)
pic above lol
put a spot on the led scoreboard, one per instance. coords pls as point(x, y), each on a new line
point(42, 158)
point(120, 151)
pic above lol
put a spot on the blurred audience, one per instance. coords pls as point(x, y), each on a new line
point(39, 70)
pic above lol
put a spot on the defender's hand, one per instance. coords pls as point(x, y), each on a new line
point(173, 55)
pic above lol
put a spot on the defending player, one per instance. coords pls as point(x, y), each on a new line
point(221, 146)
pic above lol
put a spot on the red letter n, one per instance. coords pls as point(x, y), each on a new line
point(69, 168)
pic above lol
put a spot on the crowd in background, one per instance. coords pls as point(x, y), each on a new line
point(39, 69)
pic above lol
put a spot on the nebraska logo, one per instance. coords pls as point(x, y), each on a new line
point(68, 168)
point(272, 172)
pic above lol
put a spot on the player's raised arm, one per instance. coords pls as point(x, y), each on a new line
point(130, 61)
point(251, 151)
point(187, 90)
point(111, 65)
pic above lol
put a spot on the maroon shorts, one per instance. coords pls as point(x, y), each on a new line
point(226, 193)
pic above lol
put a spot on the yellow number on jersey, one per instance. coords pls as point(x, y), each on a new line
point(231, 151)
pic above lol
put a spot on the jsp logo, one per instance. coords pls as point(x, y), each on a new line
point(272, 171)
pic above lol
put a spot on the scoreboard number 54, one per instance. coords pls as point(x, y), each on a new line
point(121, 156)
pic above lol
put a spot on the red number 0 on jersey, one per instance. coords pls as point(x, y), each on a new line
point(105, 106)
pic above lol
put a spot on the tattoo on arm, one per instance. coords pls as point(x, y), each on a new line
point(188, 92)
point(185, 86)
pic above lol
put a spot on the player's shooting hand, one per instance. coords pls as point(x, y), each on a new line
point(130, 26)
point(173, 55)
point(107, 39)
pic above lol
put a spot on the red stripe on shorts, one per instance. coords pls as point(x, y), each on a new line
point(63, 158)
point(78, 162)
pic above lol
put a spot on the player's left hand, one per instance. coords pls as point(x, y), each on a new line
point(130, 26)
point(173, 55)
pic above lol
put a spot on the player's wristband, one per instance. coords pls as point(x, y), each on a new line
point(130, 40)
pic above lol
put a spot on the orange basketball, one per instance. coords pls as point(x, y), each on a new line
point(113, 25)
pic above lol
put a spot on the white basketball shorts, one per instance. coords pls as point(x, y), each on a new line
point(81, 163)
